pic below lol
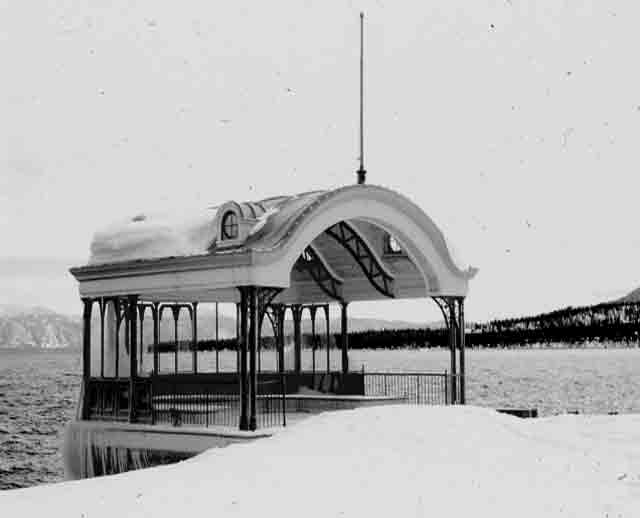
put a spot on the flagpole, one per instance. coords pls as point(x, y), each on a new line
point(362, 173)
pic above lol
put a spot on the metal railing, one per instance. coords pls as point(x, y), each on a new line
point(107, 399)
point(214, 400)
point(196, 409)
point(207, 406)
point(183, 404)
point(271, 402)
point(420, 388)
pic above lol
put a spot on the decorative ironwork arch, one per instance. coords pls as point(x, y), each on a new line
point(272, 314)
point(265, 298)
point(327, 281)
point(441, 303)
point(348, 236)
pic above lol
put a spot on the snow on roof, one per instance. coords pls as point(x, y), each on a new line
point(380, 462)
point(180, 233)
point(152, 235)
point(262, 220)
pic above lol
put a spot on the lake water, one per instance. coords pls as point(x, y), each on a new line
point(39, 390)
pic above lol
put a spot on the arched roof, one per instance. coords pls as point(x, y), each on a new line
point(182, 256)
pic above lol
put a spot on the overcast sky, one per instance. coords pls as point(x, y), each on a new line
point(513, 124)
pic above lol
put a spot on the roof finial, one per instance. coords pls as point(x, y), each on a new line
point(362, 173)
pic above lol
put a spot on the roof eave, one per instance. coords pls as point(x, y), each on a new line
point(226, 259)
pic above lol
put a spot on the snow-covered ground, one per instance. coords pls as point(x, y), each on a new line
point(387, 461)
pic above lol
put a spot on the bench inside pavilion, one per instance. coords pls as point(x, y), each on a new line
point(293, 254)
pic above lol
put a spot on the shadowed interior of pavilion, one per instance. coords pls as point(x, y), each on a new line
point(291, 255)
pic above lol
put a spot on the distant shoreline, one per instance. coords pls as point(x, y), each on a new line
point(527, 347)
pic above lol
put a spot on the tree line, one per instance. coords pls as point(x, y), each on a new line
point(606, 322)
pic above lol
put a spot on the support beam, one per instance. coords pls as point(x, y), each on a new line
point(87, 306)
point(242, 349)
point(102, 312)
point(253, 346)
point(194, 335)
point(296, 309)
point(156, 337)
point(217, 340)
point(461, 342)
point(328, 324)
point(117, 305)
point(127, 337)
point(280, 338)
point(259, 339)
point(238, 336)
point(312, 311)
point(344, 329)
point(141, 311)
point(132, 318)
point(452, 350)
point(175, 311)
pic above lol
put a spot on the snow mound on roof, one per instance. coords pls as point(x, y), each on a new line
point(155, 235)
point(262, 220)
point(392, 461)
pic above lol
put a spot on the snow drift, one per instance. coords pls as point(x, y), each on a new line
point(387, 461)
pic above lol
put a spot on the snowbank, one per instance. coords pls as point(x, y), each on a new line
point(393, 461)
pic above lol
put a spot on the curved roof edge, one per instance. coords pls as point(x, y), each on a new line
point(273, 234)
point(277, 230)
